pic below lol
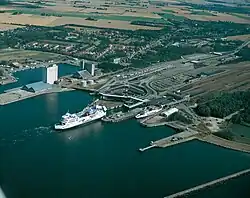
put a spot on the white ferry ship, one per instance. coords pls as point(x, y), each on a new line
point(72, 120)
point(148, 112)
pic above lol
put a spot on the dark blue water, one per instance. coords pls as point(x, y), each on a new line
point(102, 160)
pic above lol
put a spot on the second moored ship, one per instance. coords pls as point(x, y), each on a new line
point(148, 111)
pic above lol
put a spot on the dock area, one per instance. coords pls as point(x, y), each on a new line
point(218, 141)
point(178, 126)
point(110, 105)
point(120, 116)
point(208, 184)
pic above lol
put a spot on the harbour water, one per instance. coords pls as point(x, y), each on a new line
point(102, 160)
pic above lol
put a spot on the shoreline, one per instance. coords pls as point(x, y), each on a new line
point(55, 90)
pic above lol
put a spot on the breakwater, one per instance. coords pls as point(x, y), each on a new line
point(208, 184)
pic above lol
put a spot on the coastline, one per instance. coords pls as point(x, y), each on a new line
point(31, 95)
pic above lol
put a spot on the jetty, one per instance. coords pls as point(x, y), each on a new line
point(147, 148)
point(172, 140)
point(208, 184)
point(182, 137)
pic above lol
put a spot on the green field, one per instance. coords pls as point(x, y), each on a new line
point(170, 11)
point(171, 16)
point(204, 13)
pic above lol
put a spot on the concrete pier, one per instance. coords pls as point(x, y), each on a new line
point(172, 140)
point(176, 139)
point(163, 143)
point(147, 148)
point(202, 186)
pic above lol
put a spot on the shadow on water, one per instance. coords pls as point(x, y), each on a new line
point(81, 132)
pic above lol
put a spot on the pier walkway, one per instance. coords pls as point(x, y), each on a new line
point(147, 148)
point(202, 186)
point(176, 139)
point(172, 140)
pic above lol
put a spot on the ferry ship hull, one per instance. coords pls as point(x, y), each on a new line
point(63, 128)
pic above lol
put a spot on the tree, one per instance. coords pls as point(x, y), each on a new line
point(203, 110)
point(1, 71)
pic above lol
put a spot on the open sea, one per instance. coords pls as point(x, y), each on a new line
point(101, 160)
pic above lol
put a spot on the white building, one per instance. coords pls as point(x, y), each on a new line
point(90, 67)
point(117, 60)
point(93, 69)
point(170, 111)
point(51, 74)
point(83, 64)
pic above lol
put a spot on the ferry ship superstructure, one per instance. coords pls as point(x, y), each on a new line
point(91, 114)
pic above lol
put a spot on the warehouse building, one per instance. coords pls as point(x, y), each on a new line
point(170, 112)
point(37, 87)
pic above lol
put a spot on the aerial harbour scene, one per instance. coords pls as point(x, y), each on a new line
point(123, 98)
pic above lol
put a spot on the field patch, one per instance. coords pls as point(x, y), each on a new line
point(102, 23)
point(171, 16)
point(26, 19)
point(5, 27)
point(168, 10)
point(141, 14)
point(130, 17)
point(204, 13)
point(240, 37)
point(242, 16)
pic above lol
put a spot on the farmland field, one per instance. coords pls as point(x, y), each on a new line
point(102, 23)
point(111, 16)
point(4, 27)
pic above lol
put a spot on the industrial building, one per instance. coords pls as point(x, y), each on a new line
point(117, 61)
point(90, 68)
point(170, 112)
point(82, 64)
point(83, 74)
point(51, 74)
point(37, 87)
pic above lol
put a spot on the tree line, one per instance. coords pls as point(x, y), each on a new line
point(223, 104)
